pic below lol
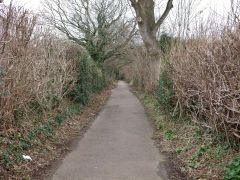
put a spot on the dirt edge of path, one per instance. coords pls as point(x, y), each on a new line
point(173, 164)
point(71, 140)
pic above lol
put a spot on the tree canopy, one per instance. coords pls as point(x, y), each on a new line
point(98, 25)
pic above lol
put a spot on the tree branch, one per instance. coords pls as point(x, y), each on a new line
point(164, 15)
point(134, 3)
point(117, 48)
point(136, 7)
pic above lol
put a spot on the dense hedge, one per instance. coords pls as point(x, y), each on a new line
point(90, 80)
point(206, 79)
point(42, 83)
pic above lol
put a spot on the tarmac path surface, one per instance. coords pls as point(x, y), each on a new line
point(118, 146)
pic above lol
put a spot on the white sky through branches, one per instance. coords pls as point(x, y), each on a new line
point(220, 6)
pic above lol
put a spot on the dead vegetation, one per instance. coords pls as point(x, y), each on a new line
point(34, 69)
point(206, 79)
point(205, 71)
point(199, 90)
point(38, 73)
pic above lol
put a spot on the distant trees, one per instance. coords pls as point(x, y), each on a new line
point(98, 25)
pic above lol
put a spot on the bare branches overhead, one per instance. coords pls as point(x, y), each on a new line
point(164, 15)
point(99, 26)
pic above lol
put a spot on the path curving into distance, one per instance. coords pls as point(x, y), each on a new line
point(118, 146)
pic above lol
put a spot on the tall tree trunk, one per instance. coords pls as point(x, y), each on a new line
point(148, 29)
point(153, 58)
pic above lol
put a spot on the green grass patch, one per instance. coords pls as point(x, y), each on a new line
point(201, 150)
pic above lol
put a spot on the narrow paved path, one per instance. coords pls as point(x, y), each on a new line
point(118, 146)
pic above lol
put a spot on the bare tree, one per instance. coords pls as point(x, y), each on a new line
point(148, 26)
point(98, 25)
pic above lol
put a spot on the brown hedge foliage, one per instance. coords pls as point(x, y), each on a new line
point(35, 67)
point(207, 79)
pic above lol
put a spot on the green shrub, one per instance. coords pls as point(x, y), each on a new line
point(90, 80)
point(165, 94)
point(233, 170)
point(165, 43)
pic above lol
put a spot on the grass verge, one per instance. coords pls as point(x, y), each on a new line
point(201, 155)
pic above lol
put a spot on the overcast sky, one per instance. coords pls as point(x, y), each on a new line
point(220, 6)
point(30, 4)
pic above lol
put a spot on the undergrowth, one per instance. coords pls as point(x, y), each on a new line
point(233, 169)
point(16, 143)
point(201, 152)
